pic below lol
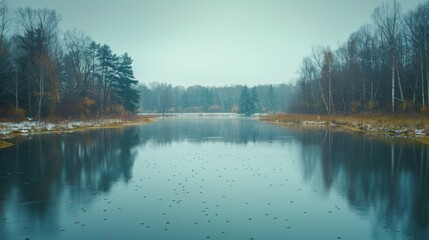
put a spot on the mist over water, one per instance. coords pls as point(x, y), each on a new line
point(213, 178)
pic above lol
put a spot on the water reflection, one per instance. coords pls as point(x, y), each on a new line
point(385, 179)
point(36, 175)
point(233, 130)
point(383, 182)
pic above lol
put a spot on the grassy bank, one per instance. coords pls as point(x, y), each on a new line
point(415, 126)
point(4, 144)
point(12, 129)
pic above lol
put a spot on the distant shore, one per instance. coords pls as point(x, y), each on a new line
point(13, 129)
point(415, 127)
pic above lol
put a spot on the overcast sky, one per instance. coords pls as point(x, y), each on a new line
point(214, 42)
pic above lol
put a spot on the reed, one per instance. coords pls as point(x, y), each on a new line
point(415, 121)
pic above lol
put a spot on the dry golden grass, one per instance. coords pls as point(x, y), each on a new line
point(424, 140)
point(4, 144)
point(374, 124)
point(135, 120)
point(375, 120)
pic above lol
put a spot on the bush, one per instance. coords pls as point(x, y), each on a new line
point(19, 114)
point(235, 108)
point(371, 105)
point(407, 105)
point(355, 106)
point(214, 109)
point(85, 107)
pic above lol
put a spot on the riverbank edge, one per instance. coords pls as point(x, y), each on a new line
point(374, 126)
point(10, 130)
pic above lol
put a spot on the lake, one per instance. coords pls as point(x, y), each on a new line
point(213, 178)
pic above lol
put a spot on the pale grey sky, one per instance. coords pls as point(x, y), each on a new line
point(214, 42)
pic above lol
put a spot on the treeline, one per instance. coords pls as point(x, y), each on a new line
point(383, 66)
point(45, 73)
point(164, 98)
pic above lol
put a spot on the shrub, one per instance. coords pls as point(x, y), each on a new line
point(214, 109)
point(19, 114)
point(407, 105)
point(355, 106)
point(85, 106)
point(235, 108)
point(371, 105)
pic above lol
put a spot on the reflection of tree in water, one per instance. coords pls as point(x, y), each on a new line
point(387, 179)
point(95, 162)
point(36, 175)
point(40, 175)
point(240, 131)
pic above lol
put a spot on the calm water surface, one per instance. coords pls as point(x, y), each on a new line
point(226, 178)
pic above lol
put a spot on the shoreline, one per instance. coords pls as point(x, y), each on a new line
point(10, 130)
point(383, 126)
point(374, 125)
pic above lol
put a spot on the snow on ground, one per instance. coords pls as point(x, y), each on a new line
point(7, 128)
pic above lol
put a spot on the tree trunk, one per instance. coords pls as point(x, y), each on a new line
point(313, 96)
point(427, 78)
point(423, 81)
point(16, 91)
point(400, 85)
point(415, 91)
point(427, 66)
point(363, 93)
point(372, 91)
point(323, 97)
point(41, 92)
point(330, 96)
point(29, 89)
point(393, 88)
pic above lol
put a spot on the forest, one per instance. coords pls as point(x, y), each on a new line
point(165, 98)
point(382, 67)
point(46, 73)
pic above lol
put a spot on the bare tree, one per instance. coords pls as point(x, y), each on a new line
point(46, 19)
point(388, 20)
point(417, 29)
point(38, 40)
point(308, 84)
point(78, 64)
point(317, 54)
point(327, 72)
point(4, 19)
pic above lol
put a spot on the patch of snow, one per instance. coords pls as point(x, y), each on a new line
point(4, 131)
point(50, 127)
point(419, 132)
point(402, 130)
point(313, 123)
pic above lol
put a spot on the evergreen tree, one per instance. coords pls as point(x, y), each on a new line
point(271, 101)
point(206, 98)
point(246, 104)
point(106, 73)
point(184, 101)
point(255, 100)
point(7, 87)
point(125, 91)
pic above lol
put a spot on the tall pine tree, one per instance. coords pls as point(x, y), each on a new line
point(255, 100)
point(106, 74)
point(125, 91)
point(7, 86)
point(246, 104)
